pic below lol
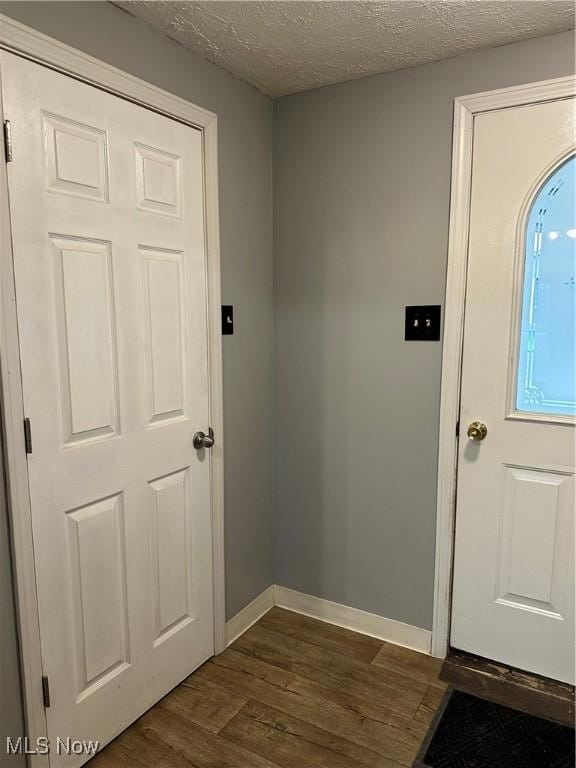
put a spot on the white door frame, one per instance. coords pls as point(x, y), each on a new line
point(17, 38)
point(465, 110)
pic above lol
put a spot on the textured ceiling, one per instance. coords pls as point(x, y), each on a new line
point(285, 46)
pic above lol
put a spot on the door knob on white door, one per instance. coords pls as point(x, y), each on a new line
point(477, 431)
point(200, 440)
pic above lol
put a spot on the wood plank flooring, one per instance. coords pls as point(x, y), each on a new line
point(291, 692)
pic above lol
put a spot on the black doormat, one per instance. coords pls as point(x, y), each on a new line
point(469, 732)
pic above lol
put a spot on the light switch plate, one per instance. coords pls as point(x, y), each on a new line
point(422, 323)
point(227, 319)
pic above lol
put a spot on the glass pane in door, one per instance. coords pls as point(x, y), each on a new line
point(546, 364)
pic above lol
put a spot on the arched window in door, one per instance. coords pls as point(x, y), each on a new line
point(546, 379)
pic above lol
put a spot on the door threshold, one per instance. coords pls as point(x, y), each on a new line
point(509, 686)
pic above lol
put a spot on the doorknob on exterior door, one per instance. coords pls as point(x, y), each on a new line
point(477, 431)
point(200, 440)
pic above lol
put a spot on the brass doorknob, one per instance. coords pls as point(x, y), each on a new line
point(477, 431)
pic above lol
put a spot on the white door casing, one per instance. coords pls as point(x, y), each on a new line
point(107, 215)
point(513, 584)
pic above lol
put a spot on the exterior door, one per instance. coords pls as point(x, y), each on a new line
point(513, 588)
point(107, 214)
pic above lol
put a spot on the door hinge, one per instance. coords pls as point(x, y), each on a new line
point(45, 692)
point(28, 435)
point(8, 148)
point(457, 429)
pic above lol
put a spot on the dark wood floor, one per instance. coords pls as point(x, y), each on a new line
point(292, 692)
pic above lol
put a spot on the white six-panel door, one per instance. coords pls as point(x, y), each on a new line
point(513, 583)
point(107, 213)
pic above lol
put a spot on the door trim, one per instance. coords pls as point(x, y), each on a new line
point(465, 110)
point(24, 41)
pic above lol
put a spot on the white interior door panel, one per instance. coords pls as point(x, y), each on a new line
point(107, 212)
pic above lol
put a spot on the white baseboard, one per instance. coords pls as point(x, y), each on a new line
point(249, 615)
point(388, 630)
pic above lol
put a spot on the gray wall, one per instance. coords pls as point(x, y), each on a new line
point(11, 718)
point(362, 175)
point(245, 158)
